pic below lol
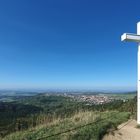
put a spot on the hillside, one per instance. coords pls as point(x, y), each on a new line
point(33, 117)
point(81, 126)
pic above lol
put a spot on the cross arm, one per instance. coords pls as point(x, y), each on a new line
point(130, 37)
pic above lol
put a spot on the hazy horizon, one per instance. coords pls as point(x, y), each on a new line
point(70, 89)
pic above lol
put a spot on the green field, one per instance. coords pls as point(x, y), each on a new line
point(81, 126)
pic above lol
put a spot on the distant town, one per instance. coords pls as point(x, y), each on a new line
point(96, 98)
point(88, 97)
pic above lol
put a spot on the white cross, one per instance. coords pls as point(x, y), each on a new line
point(135, 38)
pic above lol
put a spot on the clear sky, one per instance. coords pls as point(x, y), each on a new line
point(68, 44)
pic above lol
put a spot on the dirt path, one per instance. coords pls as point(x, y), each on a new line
point(126, 131)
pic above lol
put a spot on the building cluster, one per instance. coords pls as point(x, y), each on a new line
point(94, 99)
point(90, 99)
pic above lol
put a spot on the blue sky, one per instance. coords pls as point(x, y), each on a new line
point(68, 44)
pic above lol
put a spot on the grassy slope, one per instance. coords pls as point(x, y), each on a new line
point(93, 132)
